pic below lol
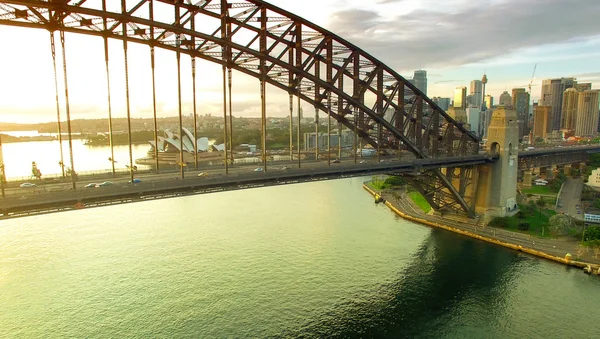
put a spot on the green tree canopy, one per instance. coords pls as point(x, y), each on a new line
point(559, 224)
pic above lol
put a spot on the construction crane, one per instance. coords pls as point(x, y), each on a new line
point(532, 77)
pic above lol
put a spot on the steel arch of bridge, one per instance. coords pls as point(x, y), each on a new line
point(281, 49)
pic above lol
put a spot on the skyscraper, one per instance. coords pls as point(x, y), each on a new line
point(541, 121)
point(420, 80)
point(460, 97)
point(587, 114)
point(552, 95)
point(489, 101)
point(505, 99)
point(569, 109)
point(520, 103)
point(476, 93)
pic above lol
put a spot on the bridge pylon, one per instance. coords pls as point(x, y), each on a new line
point(497, 182)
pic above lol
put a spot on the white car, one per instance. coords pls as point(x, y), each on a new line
point(258, 169)
point(27, 185)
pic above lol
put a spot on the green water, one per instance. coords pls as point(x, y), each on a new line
point(307, 260)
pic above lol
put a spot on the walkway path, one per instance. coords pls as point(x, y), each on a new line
point(555, 247)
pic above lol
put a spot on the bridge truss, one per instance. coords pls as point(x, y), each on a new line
point(281, 49)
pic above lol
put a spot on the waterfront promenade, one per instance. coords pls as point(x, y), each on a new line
point(553, 249)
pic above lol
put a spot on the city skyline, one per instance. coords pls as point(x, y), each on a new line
point(445, 50)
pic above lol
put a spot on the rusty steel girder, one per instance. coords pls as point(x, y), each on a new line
point(278, 48)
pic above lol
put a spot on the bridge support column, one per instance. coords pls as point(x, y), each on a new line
point(582, 167)
point(497, 182)
point(567, 170)
point(550, 172)
point(527, 178)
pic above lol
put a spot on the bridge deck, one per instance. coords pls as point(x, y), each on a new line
point(42, 202)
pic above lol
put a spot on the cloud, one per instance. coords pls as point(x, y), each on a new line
point(470, 32)
point(584, 77)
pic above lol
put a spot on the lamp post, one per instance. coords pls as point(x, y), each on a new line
point(2, 179)
point(2, 175)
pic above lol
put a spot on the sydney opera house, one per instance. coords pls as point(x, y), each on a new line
point(170, 145)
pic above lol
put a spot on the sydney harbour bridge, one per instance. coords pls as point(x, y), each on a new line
point(345, 84)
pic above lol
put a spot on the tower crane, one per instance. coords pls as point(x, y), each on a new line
point(532, 77)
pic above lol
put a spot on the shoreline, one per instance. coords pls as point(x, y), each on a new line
point(520, 248)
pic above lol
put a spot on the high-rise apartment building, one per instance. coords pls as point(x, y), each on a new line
point(587, 114)
point(569, 109)
point(476, 93)
point(520, 103)
point(541, 121)
point(505, 99)
point(474, 120)
point(420, 80)
point(552, 95)
point(460, 97)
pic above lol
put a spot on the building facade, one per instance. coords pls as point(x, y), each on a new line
point(594, 178)
point(587, 114)
point(460, 98)
point(474, 120)
point(541, 121)
point(489, 101)
point(520, 103)
point(505, 99)
point(420, 80)
point(444, 103)
point(476, 93)
point(310, 140)
point(552, 95)
point(569, 109)
point(583, 86)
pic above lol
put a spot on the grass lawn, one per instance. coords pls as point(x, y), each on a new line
point(534, 218)
point(420, 201)
point(540, 190)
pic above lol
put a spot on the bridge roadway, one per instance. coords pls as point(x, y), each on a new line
point(55, 197)
point(559, 150)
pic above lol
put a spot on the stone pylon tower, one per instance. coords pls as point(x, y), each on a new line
point(497, 183)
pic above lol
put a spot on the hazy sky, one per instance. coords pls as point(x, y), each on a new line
point(454, 40)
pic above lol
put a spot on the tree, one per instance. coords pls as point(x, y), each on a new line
point(541, 203)
point(559, 224)
point(35, 171)
point(73, 174)
point(502, 222)
point(592, 233)
point(524, 226)
point(395, 181)
point(595, 160)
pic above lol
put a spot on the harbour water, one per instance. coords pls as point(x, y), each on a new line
point(306, 260)
point(18, 156)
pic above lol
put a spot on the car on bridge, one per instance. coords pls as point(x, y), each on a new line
point(105, 184)
point(91, 185)
point(27, 185)
point(135, 181)
point(258, 169)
